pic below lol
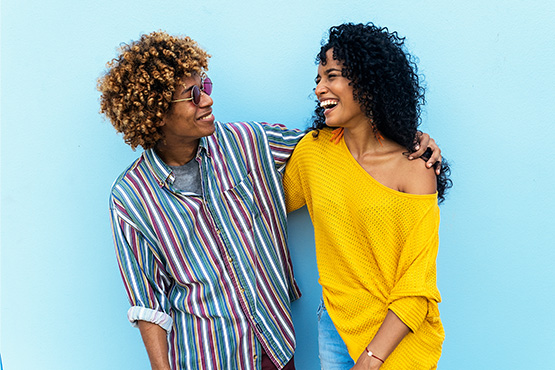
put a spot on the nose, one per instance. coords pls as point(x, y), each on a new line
point(320, 89)
point(205, 100)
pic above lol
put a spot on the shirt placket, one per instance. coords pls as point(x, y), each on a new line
point(231, 262)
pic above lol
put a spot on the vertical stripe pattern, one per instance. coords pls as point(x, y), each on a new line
point(214, 271)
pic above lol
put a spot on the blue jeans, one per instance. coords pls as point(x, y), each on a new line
point(333, 351)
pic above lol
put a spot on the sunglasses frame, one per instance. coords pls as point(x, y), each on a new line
point(196, 92)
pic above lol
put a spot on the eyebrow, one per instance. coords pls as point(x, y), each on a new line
point(186, 89)
point(332, 70)
point(327, 71)
point(189, 88)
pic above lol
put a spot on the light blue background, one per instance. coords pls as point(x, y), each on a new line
point(489, 68)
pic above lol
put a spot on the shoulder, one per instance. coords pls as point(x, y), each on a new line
point(124, 176)
point(122, 183)
point(315, 149)
point(251, 125)
point(244, 130)
point(315, 138)
point(236, 126)
point(416, 177)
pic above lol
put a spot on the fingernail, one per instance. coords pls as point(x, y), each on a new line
point(429, 165)
point(417, 147)
point(410, 157)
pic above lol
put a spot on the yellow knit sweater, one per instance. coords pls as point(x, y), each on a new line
point(376, 250)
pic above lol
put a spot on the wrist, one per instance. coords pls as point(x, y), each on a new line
point(375, 359)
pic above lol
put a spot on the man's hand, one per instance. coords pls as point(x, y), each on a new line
point(424, 142)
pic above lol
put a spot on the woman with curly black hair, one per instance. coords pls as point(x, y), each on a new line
point(375, 214)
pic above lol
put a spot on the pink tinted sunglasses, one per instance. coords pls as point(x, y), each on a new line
point(206, 87)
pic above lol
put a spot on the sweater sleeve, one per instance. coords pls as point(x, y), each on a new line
point(415, 284)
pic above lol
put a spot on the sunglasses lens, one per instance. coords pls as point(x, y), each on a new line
point(195, 94)
point(207, 86)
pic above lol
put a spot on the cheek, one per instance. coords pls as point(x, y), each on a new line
point(186, 113)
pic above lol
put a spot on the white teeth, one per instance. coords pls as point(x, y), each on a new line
point(327, 104)
point(207, 116)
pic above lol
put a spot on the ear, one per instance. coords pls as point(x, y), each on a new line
point(163, 120)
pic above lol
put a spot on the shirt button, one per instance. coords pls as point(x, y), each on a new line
point(242, 290)
point(230, 259)
point(255, 357)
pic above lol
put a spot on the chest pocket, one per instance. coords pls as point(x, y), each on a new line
point(241, 203)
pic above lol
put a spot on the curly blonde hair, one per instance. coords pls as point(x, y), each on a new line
point(139, 84)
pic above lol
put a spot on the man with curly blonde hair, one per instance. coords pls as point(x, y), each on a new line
point(199, 220)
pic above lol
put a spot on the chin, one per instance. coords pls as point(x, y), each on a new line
point(210, 130)
point(332, 124)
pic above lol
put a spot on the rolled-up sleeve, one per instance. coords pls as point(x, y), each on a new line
point(144, 277)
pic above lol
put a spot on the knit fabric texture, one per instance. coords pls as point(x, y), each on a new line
point(376, 250)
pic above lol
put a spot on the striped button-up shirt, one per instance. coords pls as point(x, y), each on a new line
point(212, 269)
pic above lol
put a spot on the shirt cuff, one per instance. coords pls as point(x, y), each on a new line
point(159, 318)
point(411, 310)
point(294, 292)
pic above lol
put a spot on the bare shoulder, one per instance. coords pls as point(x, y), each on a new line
point(416, 177)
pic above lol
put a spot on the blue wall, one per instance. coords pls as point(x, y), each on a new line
point(491, 106)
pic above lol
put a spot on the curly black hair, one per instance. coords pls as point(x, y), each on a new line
point(385, 82)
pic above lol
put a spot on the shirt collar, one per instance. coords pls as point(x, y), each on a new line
point(161, 171)
point(203, 146)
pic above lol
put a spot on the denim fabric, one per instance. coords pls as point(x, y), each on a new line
point(333, 351)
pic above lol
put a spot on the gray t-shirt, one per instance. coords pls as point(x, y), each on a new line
point(187, 177)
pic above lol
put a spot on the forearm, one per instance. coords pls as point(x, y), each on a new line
point(389, 335)
point(156, 344)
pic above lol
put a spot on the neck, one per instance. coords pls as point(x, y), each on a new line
point(177, 154)
point(361, 140)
